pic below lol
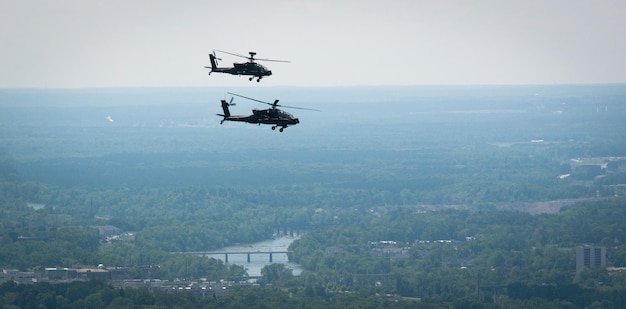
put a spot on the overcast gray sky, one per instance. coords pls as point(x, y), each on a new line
point(97, 43)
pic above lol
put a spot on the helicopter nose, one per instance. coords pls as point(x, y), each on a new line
point(297, 120)
point(269, 72)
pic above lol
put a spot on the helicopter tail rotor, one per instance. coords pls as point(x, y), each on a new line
point(225, 109)
point(213, 59)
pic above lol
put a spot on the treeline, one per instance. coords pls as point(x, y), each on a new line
point(198, 217)
point(203, 218)
point(511, 259)
point(95, 294)
point(70, 251)
point(444, 173)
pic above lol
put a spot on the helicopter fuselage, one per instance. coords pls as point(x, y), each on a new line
point(272, 116)
point(249, 68)
point(252, 69)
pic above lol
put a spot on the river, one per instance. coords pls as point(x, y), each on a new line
point(258, 261)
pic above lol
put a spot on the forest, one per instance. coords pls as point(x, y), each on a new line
point(445, 197)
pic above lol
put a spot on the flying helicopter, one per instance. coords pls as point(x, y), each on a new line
point(273, 116)
point(247, 68)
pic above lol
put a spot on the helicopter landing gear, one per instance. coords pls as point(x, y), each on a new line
point(258, 80)
point(279, 130)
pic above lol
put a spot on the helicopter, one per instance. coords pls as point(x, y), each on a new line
point(273, 116)
point(247, 68)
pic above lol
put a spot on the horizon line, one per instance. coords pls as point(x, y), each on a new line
point(313, 87)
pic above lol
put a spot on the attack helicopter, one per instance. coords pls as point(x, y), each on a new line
point(247, 68)
point(274, 116)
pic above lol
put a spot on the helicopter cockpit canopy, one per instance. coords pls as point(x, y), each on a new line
point(284, 114)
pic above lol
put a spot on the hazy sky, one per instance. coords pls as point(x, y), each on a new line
point(98, 43)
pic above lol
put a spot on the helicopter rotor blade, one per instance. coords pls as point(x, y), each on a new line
point(304, 108)
point(272, 60)
point(238, 55)
point(251, 57)
point(250, 98)
point(275, 104)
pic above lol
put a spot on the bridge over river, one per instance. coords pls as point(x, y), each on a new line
point(227, 253)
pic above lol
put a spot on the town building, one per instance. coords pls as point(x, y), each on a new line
point(590, 256)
